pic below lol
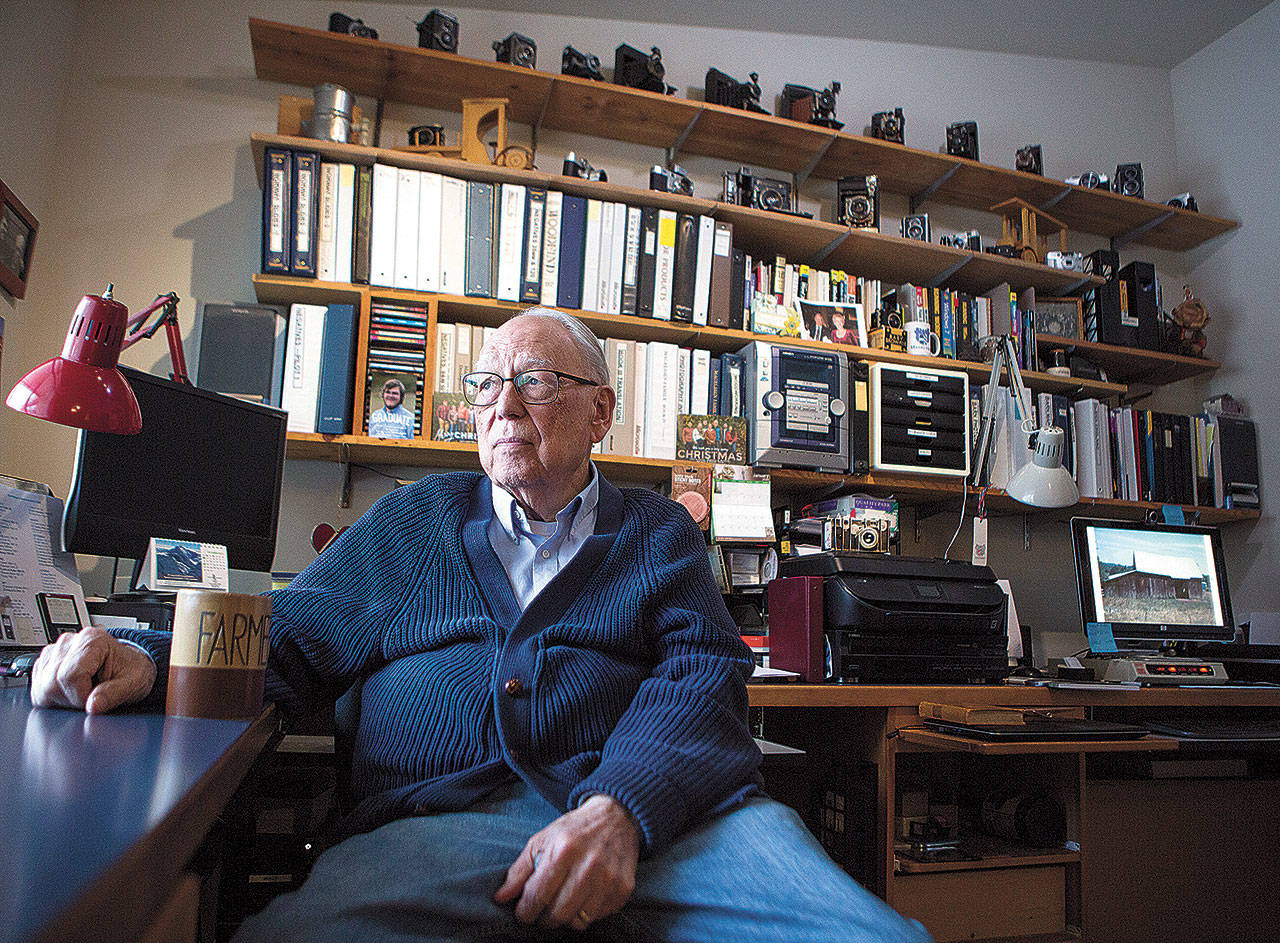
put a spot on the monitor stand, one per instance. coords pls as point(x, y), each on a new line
point(1159, 669)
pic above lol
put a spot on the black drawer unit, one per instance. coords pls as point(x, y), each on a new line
point(919, 420)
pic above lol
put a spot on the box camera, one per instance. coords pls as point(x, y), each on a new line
point(915, 227)
point(1091, 181)
point(426, 135)
point(858, 202)
point(1067, 261)
point(869, 536)
point(1029, 160)
point(962, 139)
point(674, 180)
point(889, 125)
point(438, 30)
point(583, 65)
point(801, 103)
point(341, 23)
point(635, 69)
point(1128, 180)
point(1184, 201)
point(575, 166)
point(764, 193)
point(970, 240)
point(516, 50)
point(725, 90)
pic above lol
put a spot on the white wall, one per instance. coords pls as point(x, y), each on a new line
point(155, 188)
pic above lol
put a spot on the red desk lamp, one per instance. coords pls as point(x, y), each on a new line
point(82, 387)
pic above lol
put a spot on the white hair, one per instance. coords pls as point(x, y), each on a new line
point(582, 337)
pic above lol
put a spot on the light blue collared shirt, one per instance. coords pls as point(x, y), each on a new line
point(533, 552)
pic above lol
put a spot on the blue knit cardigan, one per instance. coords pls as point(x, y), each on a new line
point(624, 676)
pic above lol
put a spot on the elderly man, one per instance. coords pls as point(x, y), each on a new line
point(552, 732)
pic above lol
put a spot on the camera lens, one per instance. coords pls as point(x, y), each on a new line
point(868, 539)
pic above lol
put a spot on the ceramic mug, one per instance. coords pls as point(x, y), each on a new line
point(921, 340)
point(218, 660)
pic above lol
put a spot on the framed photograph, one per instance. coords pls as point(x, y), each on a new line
point(17, 242)
point(391, 411)
point(1061, 317)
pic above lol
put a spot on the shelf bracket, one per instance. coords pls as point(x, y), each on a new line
point(344, 464)
point(1055, 200)
point(1026, 532)
point(1119, 242)
point(919, 199)
point(821, 255)
point(537, 123)
point(377, 123)
point(798, 178)
point(948, 272)
point(1075, 286)
point(674, 150)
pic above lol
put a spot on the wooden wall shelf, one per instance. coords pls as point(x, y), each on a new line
point(1131, 365)
point(302, 56)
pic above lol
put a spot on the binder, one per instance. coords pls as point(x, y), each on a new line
point(481, 207)
point(510, 238)
point(702, 270)
point(720, 294)
point(591, 255)
point(617, 259)
point(362, 229)
point(344, 224)
point(531, 257)
point(573, 236)
point(453, 236)
point(326, 241)
point(382, 228)
point(277, 201)
point(737, 290)
point(306, 210)
point(647, 268)
point(408, 193)
point(664, 271)
point(337, 370)
point(551, 248)
point(429, 219)
point(301, 389)
point(685, 271)
point(627, 303)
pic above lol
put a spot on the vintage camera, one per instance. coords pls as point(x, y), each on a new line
point(801, 103)
point(575, 166)
point(674, 180)
point(427, 135)
point(516, 50)
point(970, 240)
point(1029, 160)
point(915, 227)
point(889, 125)
point(1008, 252)
point(962, 139)
point(635, 69)
point(438, 30)
point(1091, 181)
point(581, 64)
point(725, 90)
point(869, 536)
point(1067, 261)
point(341, 23)
point(764, 193)
point(1184, 201)
point(858, 202)
point(1128, 180)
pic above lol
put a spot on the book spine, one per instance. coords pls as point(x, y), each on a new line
point(664, 272)
point(640, 389)
point(277, 200)
point(337, 370)
point(344, 223)
point(531, 254)
point(302, 366)
point(573, 235)
point(591, 257)
point(510, 240)
point(702, 270)
point(429, 220)
point(363, 226)
point(647, 273)
point(408, 206)
point(618, 258)
point(453, 236)
point(382, 237)
point(628, 303)
point(551, 248)
point(326, 241)
point(306, 210)
point(481, 206)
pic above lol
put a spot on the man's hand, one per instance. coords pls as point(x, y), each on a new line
point(585, 867)
point(91, 670)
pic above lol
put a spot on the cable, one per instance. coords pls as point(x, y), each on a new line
point(964, 500)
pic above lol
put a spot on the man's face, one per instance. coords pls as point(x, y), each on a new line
point(391, 397)
point(544, 447)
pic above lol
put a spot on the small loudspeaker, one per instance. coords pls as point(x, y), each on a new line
point(795, 627)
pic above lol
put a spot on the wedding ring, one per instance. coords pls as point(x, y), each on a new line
point(582, 916)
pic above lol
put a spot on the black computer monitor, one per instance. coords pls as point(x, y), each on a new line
point(205, 467)
point(1154, 583)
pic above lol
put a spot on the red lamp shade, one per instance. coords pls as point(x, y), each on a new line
point(82, 387)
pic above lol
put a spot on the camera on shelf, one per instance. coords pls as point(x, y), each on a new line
point(1067, 261)
point(516, 50)
point(673, 180)
point(426, 135)
point(1091, 181)
point(970, 240)
point(1128, 180)
point(1008, 252)
point(341, 23)
point(801, 103)
point(858, 202)
point(889, 125)
point(583, 65)
point(915, 227)
point(438, 30)
point(1029, 160)
point(725, 90)
point(869, 536)
point(636, 69)
point(575, 166)
point(764, 193)
point(962, 139)
point(1184, 201)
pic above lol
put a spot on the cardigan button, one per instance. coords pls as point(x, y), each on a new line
point(514, 687)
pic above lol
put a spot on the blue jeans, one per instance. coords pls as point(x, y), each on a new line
point(753, 873)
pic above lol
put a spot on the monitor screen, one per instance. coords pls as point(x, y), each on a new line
point(1152, 582)
point(205, 467)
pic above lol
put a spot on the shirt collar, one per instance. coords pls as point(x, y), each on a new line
point(515, 523)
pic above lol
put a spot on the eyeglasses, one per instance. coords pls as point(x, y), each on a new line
point(534, 387)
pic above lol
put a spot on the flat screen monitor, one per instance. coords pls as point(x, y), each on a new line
point(205, 467)
point(1153, 583)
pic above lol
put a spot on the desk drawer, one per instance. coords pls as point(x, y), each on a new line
point(963, 905)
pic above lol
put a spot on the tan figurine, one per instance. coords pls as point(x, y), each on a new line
point(1186, 330)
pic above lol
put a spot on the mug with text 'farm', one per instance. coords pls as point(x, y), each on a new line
point(218, 662)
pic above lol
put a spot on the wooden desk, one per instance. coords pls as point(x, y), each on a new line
point(100, 816)
point(1157, 859)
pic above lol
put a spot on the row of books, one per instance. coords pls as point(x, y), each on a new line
point(960, 319)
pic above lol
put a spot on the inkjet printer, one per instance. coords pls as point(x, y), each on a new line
point(873, 617)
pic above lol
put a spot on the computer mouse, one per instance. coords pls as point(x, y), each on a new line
point(21, 664)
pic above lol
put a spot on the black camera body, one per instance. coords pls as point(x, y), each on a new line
point(438, 30)
point(1128, 180)
point(858, 202)
point(635, 69)
point(1008, 252)
point(744, 188)
point(516, 49)
point(575, 166)
point(583, 65)
point(801, 103)
point(673, 180)
point(889, 126)
point(427, 135)
point(1029, 160)
point(1184, 201)
point(341, 23)
point(962, 139)
point(722, 89)
point(970, 240)
point(916, 227)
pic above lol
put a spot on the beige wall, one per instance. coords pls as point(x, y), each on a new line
point(143, 163)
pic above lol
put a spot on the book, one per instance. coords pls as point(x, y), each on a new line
point(408, 224)
point(511, 241)
point(453, 236)
point(531, 257)
point(551, 248)
point(277, 201)
point(429, 224)
point(646, 271)
point(591, 256)
point(628, 301)
point(607, 216)
point(446, 358)
point(617, 258)
point(344, 223)
point(640, 388)
point(573, 238)
point(664, 271)
point(480, 244)
point(971, 715)
point(620, 358)
point(306, 210)
point(382, 228)
point(720, 293)
point(337, 370)
point(326, 240)
point(301, 389)
point(362, 226)
point(241, 350)
point(685, 271)
point(702, 270)
point(661, 400)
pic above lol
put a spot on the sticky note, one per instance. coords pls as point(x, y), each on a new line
point(1101, 639)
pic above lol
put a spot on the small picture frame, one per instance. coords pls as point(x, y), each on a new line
point(17, 242)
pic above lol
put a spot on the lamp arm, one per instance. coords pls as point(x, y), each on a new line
point(167, 304)
point(983, 453)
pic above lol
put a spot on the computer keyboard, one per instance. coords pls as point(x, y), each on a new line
point(1215, 728)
